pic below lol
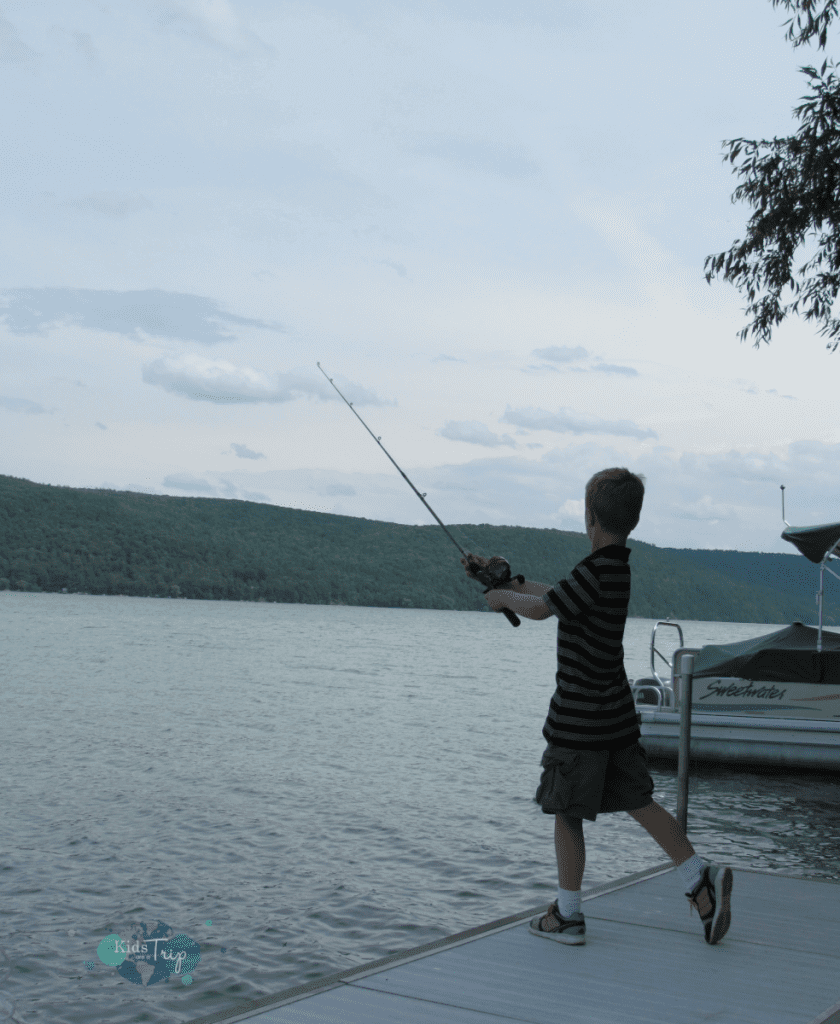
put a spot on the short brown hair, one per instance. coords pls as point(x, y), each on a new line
point(614, 497)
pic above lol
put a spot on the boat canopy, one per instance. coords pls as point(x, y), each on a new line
point(813, 541)
point(787, 656)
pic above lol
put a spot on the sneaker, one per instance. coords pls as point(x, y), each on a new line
point(711, 898)
point(571, 930)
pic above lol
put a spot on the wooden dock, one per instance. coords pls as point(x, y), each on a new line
point(645, 962)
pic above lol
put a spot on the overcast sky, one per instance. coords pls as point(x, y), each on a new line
point(487, 220)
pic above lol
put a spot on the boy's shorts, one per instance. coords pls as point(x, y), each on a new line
point(585, 783)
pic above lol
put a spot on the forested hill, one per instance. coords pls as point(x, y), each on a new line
point(122, 542)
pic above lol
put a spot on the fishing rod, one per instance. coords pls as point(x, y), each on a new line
point(496, 573)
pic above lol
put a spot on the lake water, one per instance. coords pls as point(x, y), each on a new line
point(326, 785)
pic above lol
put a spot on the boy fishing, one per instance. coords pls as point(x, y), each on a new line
point(593, 763)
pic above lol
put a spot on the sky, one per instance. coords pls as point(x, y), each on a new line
point(487, 221)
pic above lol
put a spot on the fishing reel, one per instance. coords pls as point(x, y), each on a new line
point(494, 574)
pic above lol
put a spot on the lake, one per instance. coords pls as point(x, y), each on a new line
point(301, 789)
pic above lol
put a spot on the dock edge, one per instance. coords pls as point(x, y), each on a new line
point(291, 995)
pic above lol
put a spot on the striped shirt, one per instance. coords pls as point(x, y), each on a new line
point(592, 707)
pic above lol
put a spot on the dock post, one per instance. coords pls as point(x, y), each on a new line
point(687, 677)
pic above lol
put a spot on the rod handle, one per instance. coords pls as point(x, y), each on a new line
point(512, 617)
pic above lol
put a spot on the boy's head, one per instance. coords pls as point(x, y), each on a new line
point(614, 498)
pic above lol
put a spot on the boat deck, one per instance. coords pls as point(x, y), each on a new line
point(644, 962)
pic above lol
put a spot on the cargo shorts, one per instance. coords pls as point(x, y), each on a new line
point(585, 783)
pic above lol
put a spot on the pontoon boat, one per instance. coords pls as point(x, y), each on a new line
point(772, 700)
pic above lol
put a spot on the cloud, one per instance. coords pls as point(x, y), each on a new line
point(478, 155)
point(565, 354)
point(703, 510)
point(573, 508)
point(245, 453)
point(743, 467)
point(689, 502)
point(111, 204)
point(21, 405)
point(542, 368)
point(474, 432)
point(447, 359)
point(628, 371)
point(561, 353)
point(133, 314)
point(185, 482)
point(294, 488)
point(567, 421)
point(100, 425)
point(13, 50)
point(85, 46)
point(199, 485)
point(215, 23)
point(400, 269)
point(221, 381)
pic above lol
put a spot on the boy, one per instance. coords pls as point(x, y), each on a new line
point(594, 763)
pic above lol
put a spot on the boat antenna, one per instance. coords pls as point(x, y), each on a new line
point(497, 574)
point(783, 505)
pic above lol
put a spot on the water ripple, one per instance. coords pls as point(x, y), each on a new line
point(326, 784)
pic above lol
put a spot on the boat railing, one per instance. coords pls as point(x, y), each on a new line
point(640, 685)
point(662, 688)
point(666, 691)
point(654, 651)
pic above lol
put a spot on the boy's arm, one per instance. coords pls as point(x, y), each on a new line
point(525, 599)
point(528, 587)
point(573, 596)
point(530, 606)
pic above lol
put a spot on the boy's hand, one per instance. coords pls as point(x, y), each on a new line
point(496, 599)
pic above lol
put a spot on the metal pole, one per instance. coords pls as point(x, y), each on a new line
point(686, 676)
point(820, 604)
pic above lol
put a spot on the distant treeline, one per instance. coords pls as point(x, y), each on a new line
point(121, 542)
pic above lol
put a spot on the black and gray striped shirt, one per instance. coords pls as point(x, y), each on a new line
point(592, 707)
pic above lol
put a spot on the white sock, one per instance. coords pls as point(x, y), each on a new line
point(568, 901)
point(691, 871)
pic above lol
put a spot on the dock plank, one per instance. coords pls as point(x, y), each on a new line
point(769, 909)
point(352, 1005)
point(644, 962)
point(657, 977)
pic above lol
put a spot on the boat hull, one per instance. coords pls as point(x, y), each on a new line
point(727, 695)
point(744, 740)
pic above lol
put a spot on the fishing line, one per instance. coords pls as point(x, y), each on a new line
point(378, 440)
point(497, 573)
